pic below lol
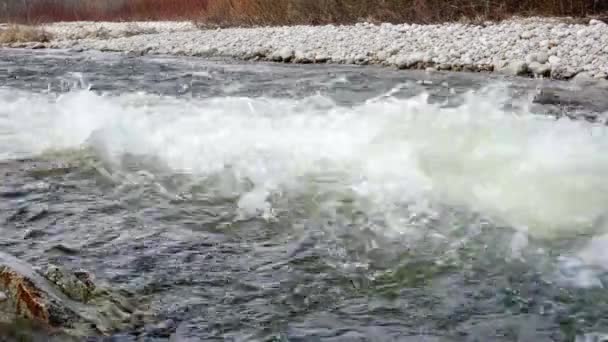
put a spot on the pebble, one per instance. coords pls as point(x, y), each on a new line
point(3, 296)
point(510, 46)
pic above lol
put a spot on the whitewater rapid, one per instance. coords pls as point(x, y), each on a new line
point(390, 156)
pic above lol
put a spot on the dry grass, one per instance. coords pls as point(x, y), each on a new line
point(23, 34)
point(92, 31)
point(41, 11)
point(289, 12)
point(318, 12)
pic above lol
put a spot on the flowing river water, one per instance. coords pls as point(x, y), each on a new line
point(269, 202)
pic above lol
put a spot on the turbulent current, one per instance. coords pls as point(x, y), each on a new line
point(261, 202)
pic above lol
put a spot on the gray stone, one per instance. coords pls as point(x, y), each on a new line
point(578, 52)
point(18, 45)
point(542, 57)
point(561, 72)
point(539, 69)
point(302, 57)
point(416, 57)
point(582, 33)
point(444, 66)
point(139, 53)
point(402, 62)
point(526, 35)
point(275, 57)
point(322, 58)
point(381, 56)
point(394, 50)
point(500, 65)
point(359, 59)
point(78, 286)
point(531, 58)
point(286, 54)
point(601, 75)
point(30, 296)
point(555, 61)
point(516, 68)
point(583, 78)
point(442, 58)
point(405, 62)
point(595, 22)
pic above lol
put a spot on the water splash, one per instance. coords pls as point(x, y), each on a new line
point(390, 156)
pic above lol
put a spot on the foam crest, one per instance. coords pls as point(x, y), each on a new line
point(532, 172)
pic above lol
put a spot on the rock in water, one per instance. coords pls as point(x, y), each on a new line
point(65, 302)
point(77, 288)
point(286, 54)
point(539, 69)
point(516, 68)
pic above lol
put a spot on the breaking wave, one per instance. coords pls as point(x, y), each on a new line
point(388, 155)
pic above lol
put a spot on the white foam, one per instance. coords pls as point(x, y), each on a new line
point(531, 172)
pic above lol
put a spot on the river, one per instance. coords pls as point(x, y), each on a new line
point(268, 202)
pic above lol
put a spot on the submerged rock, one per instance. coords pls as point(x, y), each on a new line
point(78, 286)
point(59, 301)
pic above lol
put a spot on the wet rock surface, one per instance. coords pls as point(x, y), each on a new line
point(59, 301)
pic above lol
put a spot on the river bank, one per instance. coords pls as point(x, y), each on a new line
point(524, 47)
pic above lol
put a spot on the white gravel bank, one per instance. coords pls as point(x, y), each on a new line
point(532, 47)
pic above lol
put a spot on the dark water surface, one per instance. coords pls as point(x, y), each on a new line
point(268, 202)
